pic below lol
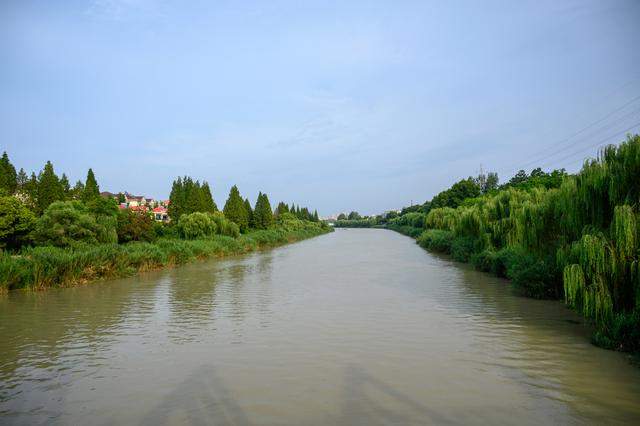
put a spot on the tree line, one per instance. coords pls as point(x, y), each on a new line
point(44, 210)
point(188, 196)
point(554, 235)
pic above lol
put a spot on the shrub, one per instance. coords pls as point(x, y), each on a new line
point(134, 226)
point(503, 260)
point(623, 333)
point(484, 261)
point(534, 277)
point(196, 225)
point(16, 222)
point(165, 230)
point(462, 248)
point(225, 226)
point(67, 223)
point(437, 240)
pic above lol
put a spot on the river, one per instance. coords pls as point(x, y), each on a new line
point(359, 326)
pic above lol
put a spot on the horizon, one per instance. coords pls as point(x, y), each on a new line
point(342, 108)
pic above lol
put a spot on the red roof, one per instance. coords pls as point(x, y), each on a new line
point(159, 209)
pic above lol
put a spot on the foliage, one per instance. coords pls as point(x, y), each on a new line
point(454, 196)
point(436, 240)
point(251, 219)
point(196, 225)
point(134, 226)
point(68, 223)
point(262, 214)
point(555, 236)
point(224, 226)
point(8, 176)
point(41, 267)
point(235, 211)
point(48, 188)
point(16, 222)
point(91, 189)
point(189, 196)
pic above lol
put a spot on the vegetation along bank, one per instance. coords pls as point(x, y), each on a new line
point(54, 235)
point(554, 235)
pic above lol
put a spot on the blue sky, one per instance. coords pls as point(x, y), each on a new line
point(336, 105)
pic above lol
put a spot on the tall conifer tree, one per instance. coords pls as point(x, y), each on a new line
point(250, 218)
point(22, 180)
point(91, 188)
point(235, 211)
point(208, 204)
point(8, 177)
point(66, 188)
point(49, 188)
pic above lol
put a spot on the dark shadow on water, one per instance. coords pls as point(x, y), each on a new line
point(201, 399)
point(362, 409)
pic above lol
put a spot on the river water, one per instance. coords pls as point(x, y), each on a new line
point(354, 327)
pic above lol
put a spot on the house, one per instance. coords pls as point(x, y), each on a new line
point(160, 214)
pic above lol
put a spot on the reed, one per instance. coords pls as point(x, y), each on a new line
point(48, 266)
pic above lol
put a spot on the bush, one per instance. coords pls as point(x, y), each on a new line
point(503, 260)
point(68, 223)
point(225, 226)
point(16, 222)
point(484, 261)
point(134, 226)
point(196, 225)
point(462, 248)
point(437, 240)
point(534, 277)
point(623, 333)
point(165, 230)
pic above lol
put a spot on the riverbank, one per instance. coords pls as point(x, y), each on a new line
point(40, 268)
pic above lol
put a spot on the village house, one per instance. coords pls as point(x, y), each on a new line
point(140, 203)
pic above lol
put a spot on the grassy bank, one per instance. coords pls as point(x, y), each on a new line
point(44, 267)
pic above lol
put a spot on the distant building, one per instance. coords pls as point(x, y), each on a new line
point(140, 203)
point(160, 214)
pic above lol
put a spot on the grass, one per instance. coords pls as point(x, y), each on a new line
point(44, 267)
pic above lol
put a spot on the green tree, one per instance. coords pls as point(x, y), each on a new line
point(208, 204)
point(21, 180)
point(281, 208)
point(250, 218)
point(121, 198)
point(77, 190)
point(16, 222)
point(354, 216)
point(342, 216)
point(262, 214)
point(67, 223)
point(196, 225)
point(519, 177)
point(189, 196)
point(49, 188)
point(134, 226)
point(176, 200)
point(91, 188)
point(66, 188)
point(8, 177)
point(235, 211)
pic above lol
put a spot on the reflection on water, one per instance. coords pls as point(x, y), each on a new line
point(355, 327)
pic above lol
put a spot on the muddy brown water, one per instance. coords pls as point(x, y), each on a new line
point(355, 327)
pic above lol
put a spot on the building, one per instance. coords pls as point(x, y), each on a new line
point(160, 214)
